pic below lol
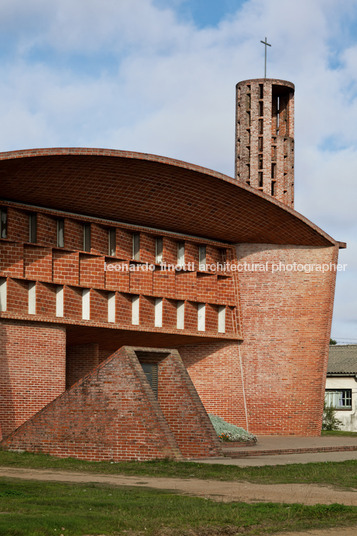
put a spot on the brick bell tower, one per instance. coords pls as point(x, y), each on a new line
point(265, 137)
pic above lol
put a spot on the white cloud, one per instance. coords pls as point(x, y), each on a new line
point(128, 74)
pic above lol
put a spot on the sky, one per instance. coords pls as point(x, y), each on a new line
point(159, 76)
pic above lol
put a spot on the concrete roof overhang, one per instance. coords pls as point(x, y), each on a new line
point(152, 191)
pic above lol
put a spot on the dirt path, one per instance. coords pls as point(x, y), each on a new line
point(213, 489)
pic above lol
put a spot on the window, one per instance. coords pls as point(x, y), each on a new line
point(201, 317)
point(32, 299)
point(222, 319)
point(111, 242)
point(135, 310)
point(111, 307)
point(59, 301)
point(151, 371)
point(277, 114)
point(180, 315)
point(60, 233)
point(86, 304)
point(3, 295)
point(159, 247)
point(181, 253)
point(202, 257)
point(338, 398)
point(3, 223)
point(86, 237)
point(33, 228)
point(158, 312)
point(136, 246)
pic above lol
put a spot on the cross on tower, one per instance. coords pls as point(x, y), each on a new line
point(266, 44)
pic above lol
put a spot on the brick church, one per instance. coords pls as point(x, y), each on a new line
point(139, 293)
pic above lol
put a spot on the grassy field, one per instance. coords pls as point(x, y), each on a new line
point(339, 474)
point(47, 508)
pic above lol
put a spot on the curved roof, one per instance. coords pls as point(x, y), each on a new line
point(153, 191)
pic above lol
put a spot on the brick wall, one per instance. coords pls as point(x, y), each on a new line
point(112, 414)
point(184, 411)
point(264, 148)
point(286, 327)
point(81, 360)
point(216, 374)
point(32, 361)
point(47, 263)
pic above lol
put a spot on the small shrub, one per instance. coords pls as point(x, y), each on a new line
point(329, 420)
point(230, 432)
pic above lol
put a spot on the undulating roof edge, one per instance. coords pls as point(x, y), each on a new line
point(185, 167)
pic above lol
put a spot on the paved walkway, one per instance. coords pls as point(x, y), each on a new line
point(281, 450)
point(337, 531)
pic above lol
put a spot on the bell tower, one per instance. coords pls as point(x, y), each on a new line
point(264, 156)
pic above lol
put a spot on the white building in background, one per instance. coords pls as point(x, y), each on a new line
point(341, 384)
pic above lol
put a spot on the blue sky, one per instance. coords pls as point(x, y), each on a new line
point(159, 76)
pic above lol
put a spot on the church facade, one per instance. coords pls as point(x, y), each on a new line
point(139, 293)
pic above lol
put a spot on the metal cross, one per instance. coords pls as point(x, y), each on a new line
point(265, 63)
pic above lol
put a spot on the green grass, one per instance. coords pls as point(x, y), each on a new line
point(339, 474)
point(30, 508)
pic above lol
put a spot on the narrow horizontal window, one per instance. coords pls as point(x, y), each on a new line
point(135, 303)
point(59, 301)
point(86, 304)
point(32, 299)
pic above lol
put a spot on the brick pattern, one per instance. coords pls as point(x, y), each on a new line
point(75, 270)
point(81, 360)
point(286, 326)
point(184, 411)
point(216, 373)
point(32, 370)
point(136, 189)
point(265, 137)
point(112, 414)
point(285, 331)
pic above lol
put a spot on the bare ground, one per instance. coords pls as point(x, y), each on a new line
point(217, 490)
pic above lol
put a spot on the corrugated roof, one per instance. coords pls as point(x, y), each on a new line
point(342, 359)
